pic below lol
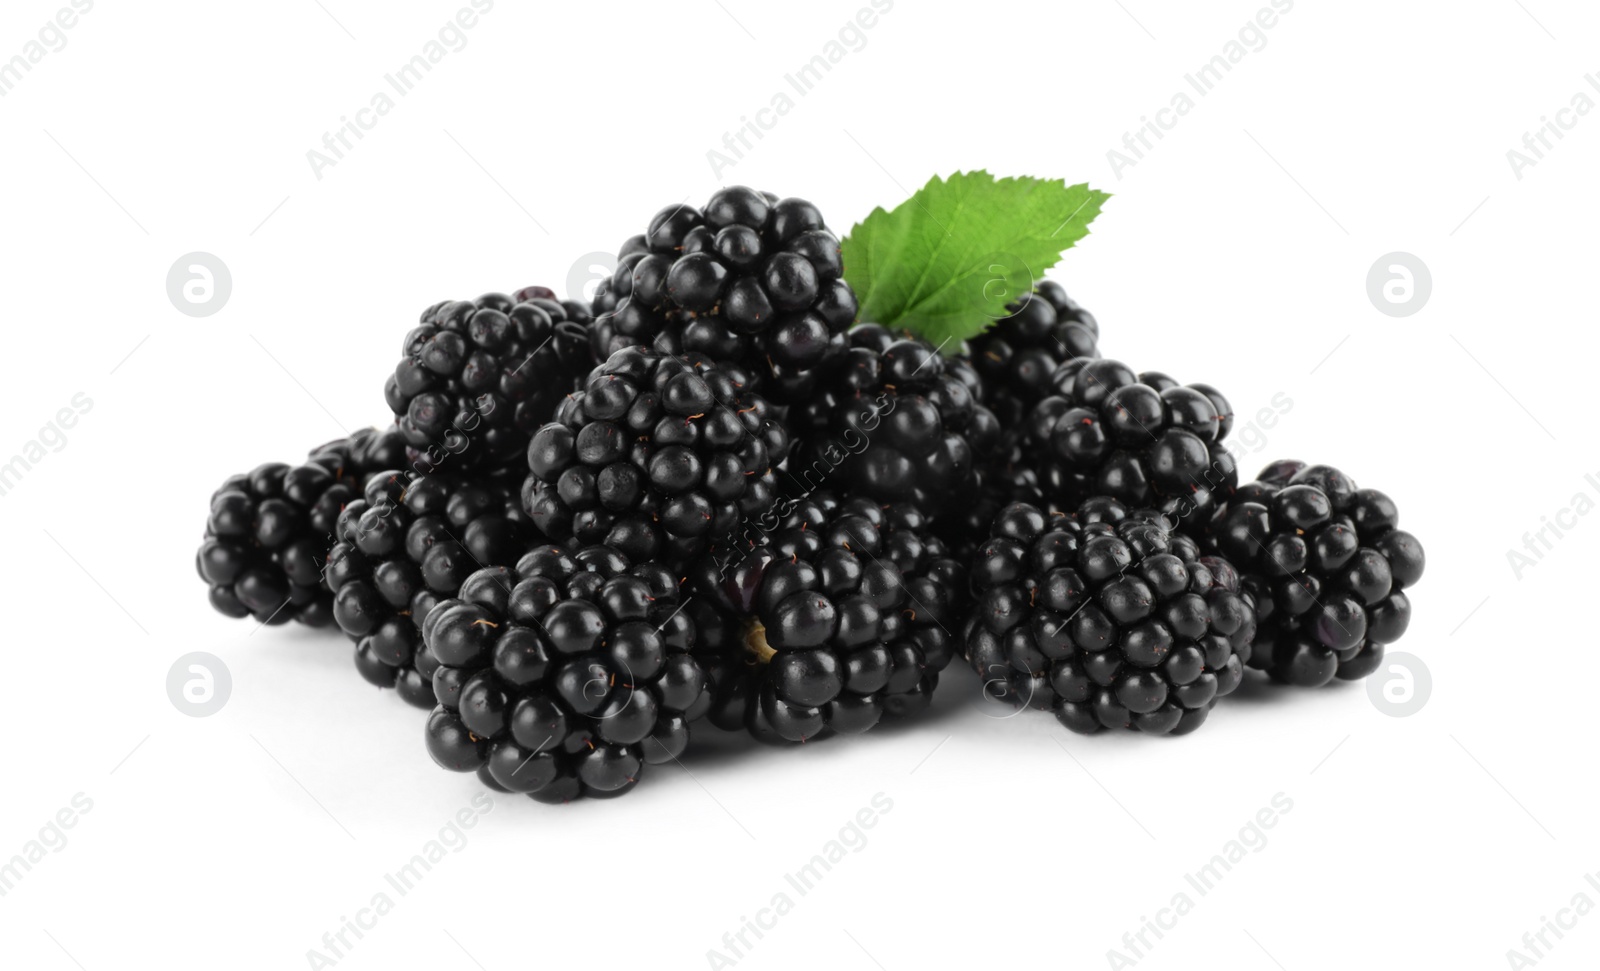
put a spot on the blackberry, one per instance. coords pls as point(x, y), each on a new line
point(1330, 567)
point(564, 676)
point(477, 378)
point(658, 455)
point(900, 422)
point(1008, 478)
point(269, 530)
point(1008, 472)
point(605, 338)
point(1107, 617)
point(1018, 356)
point(749, 278)
point(408, 543)
point(1015, 361)
point(839, 615)
point(1142, 439)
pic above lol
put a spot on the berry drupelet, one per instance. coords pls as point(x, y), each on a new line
point(1020, 353)
point(1014, 362)
point(408, 543)
point(749, 278)
point(565, 676)
point(839, 615)
point(269, 530)
point(1329, 565)
point(1008, 474)
point(658, 456)
point(898, 420)
point(477, 378)
point(1142, 439)
point(1107, 617)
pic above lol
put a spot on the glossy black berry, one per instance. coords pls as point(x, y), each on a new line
point(750, 279)
point(1019, 354)
point(564, 676)
point(897, 422)
point(1141, 439)
point(658, 455)
point(1330, 567)
point(827, 617)
point(1108, 617)
point(408, 542)
point(269, 531)
point(477, 378)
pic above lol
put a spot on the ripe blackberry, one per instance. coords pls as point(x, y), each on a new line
point(408, 543)
point(1014, 362)
point(605, 338)
point(898, 420)
point(477, 378)
point(270, 529)
point(659, 455)
point(1018, 356)
point(749, 278)
point(564, 676)
point(1107, 617)
point(1142, 439)
point(839, 616)
point(1330, 567)
point(1008, 477)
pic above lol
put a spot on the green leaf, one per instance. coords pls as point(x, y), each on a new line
point(945, 262)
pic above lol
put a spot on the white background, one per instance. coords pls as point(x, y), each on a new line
point(1236, 253)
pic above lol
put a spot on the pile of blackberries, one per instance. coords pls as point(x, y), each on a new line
point(714, 499)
